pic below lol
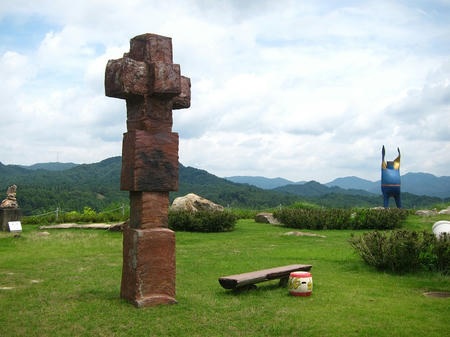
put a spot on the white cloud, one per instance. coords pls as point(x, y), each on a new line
point(302, 91)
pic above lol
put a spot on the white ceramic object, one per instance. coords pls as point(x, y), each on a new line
point(441, 227)
point(300, 283)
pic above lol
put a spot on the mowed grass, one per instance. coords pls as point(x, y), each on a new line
point(67, 284)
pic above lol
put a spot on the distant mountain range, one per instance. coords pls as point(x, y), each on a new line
point(414, 183)
point(262, 182)
point(53, 166)
point(43, 187)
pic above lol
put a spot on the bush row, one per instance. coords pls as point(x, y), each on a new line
point(334, 218)
point(404, 251)
point(87, 216)
point(202, 221)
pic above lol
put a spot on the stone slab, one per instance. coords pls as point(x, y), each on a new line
point(148, 273)
point(149, 162)
point(149, 209)
point(7, 215)
point(149, 113)
point(78, 226)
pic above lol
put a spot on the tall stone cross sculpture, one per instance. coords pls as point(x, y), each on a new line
point(152, 86)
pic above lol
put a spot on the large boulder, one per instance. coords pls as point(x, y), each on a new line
point(445, 211)
point(266, 218)
point(426, 212)
point(193, 203)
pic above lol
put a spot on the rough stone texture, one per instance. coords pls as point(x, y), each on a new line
point(266, 218)
point(7, 215)
point(149, 161)
point(192, 202)
point(149, 209)
point(183, 100)
point(118, 227)
point(10, 201)
point(151, 48)
point(165, 79)
point(426, 212)
point(445, 211)
point(126, 78)
point(148, 274)
point(78, 226)
point(152, 85)
point(149, 113)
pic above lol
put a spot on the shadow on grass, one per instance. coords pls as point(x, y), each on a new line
point(250, 290)
point(99, 294)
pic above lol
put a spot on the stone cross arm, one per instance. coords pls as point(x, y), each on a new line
point(147, 70)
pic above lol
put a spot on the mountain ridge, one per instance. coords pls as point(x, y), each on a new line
point(418, 183)
point(262, 182)
point(97, 186)
point(50, 166)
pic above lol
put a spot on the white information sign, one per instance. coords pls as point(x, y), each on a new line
point(15, 226)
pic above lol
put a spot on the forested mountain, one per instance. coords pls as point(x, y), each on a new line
point(226, 192)
point(52, 166)
point(354, 182)
point(94, 185)
point(97, 186)
point(315, 189)
point(426, 184)
point(262, 182)
point(415, 183)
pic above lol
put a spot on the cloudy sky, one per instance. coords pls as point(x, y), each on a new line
point(295, 89)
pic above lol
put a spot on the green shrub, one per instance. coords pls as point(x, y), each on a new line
point(337, 218)
point(404, 251)
point(88, 215)
point(202, 221)
point(244, 213)
point(304, 204)
point(388, 218)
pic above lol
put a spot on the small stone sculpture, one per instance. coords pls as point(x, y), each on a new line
point(10, 201)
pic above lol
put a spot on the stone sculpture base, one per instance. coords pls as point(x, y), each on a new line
point(7, 215)
point(148, 273)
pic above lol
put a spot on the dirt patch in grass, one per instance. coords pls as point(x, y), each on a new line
point(439, 294)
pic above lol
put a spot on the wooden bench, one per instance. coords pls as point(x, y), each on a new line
point(249, 279)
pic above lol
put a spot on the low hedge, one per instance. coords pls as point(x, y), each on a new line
point(403, 251)
point(202, 221)
point(336, 218)
point(87, 216)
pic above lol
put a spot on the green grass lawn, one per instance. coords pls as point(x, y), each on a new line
point(67, 284)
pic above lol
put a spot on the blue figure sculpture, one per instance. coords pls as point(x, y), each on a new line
point(390, 180)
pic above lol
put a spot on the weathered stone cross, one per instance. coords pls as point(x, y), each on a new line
point(152, 86)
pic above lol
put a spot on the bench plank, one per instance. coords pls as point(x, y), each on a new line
point(241, 280)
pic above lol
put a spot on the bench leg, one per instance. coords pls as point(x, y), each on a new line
point(284, 281)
